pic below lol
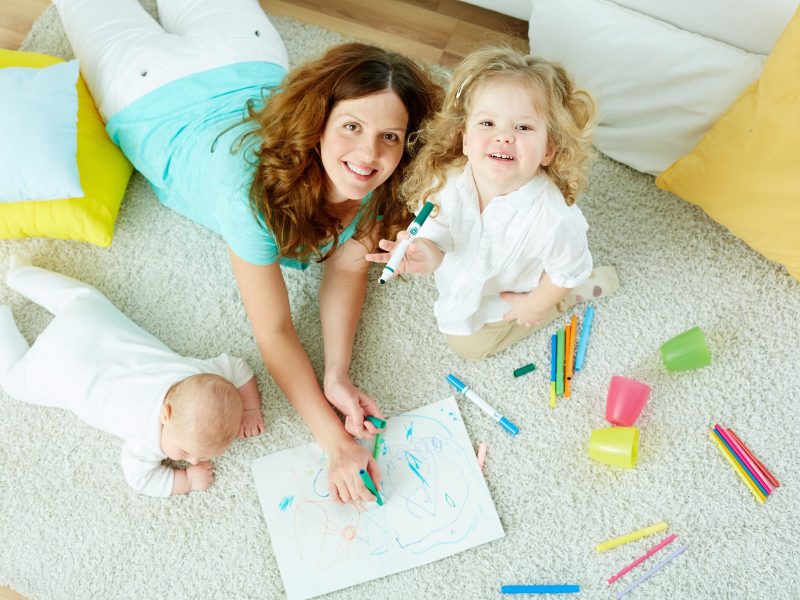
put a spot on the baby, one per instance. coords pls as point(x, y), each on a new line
point(91, 359)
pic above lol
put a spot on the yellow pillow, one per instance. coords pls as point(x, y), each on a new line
point(745, 172)
point(104, 173)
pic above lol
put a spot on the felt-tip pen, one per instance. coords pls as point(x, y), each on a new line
point(400, 252)
point(463, 388)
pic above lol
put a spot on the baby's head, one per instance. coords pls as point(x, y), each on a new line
point(532, 103)
point(200, 418)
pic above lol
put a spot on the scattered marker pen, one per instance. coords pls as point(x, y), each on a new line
point(464, 389)
point(400, 251)
point(586, 328)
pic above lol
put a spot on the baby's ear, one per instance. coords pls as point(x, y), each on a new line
point(166, 413)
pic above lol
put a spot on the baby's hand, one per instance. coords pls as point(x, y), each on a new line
point(521, 310)
point(200, 476)
point(422, 256)
point(252, 423)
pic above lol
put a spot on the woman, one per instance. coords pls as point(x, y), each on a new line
point(288, 168)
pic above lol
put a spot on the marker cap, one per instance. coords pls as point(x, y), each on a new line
point(509, 426)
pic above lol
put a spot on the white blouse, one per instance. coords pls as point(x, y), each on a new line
point(507, 248)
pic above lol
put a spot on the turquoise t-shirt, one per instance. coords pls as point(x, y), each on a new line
point(180, 137)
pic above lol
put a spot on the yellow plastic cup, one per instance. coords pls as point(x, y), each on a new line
point(615, 446)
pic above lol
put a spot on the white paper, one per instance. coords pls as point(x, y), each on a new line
point(436, 505)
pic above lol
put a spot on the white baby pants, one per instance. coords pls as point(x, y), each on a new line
point(49, 290)
point(124, 53)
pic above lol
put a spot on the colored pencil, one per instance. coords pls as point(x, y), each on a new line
point(739, 471)
point(754, 458)
point(666, 541)
point(745, 462)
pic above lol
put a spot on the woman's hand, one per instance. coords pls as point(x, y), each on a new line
point(344, 481)
point(353, 404)
point(422, 257)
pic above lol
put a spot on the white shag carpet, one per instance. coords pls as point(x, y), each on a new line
point(71, 528)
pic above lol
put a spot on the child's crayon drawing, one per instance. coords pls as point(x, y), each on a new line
point(436, 504)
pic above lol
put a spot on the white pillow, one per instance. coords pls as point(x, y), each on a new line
point(659, 89)
point(39, 125)
point(752, 25)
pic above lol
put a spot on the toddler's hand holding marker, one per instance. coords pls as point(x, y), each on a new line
point(400, 248)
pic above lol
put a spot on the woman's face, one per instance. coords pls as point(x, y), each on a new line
point(362, 144)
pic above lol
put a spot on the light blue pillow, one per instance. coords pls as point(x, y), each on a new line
point(38, 133)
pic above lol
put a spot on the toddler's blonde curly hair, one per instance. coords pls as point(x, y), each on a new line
point(568, 111)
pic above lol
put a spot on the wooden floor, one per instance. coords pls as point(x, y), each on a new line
point(432, 31)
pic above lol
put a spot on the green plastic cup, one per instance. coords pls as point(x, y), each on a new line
point(615, 446)
point(686, 351)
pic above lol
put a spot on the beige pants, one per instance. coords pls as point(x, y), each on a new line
point(494, 337)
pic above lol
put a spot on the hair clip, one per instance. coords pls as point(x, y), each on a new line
point(461, 87)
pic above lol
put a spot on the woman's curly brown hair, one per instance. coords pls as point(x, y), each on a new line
point(569, 113)
point(288, 189)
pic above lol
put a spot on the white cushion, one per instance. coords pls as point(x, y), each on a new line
point(752, 25)
point(658, 88)
point(39, 140)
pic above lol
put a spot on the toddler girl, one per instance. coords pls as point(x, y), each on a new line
point(504, 161)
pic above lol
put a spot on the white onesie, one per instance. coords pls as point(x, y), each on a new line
point(93, 360)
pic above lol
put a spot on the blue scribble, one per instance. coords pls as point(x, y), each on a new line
point(449, 500)
point(413, 464)
point(286, 503)
point(314, 486)
point(453, 416)
point(409, 430)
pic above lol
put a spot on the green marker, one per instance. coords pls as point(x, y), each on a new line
point(560, 364)
point(377, 446)
point(379, 423)
point(524, 369)
point(370, 486)
point(400, 250)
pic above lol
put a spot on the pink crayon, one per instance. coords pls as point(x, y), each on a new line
point(667, 540)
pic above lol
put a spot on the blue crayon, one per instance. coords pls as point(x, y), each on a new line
point(540, 589)
point(586, 328)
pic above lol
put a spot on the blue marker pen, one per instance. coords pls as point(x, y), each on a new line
point(463, 388)
point(586, 328)
point(400, 250)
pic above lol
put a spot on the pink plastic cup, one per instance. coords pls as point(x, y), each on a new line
point(625, 401)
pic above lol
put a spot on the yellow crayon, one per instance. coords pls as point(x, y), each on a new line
point(630, 537)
